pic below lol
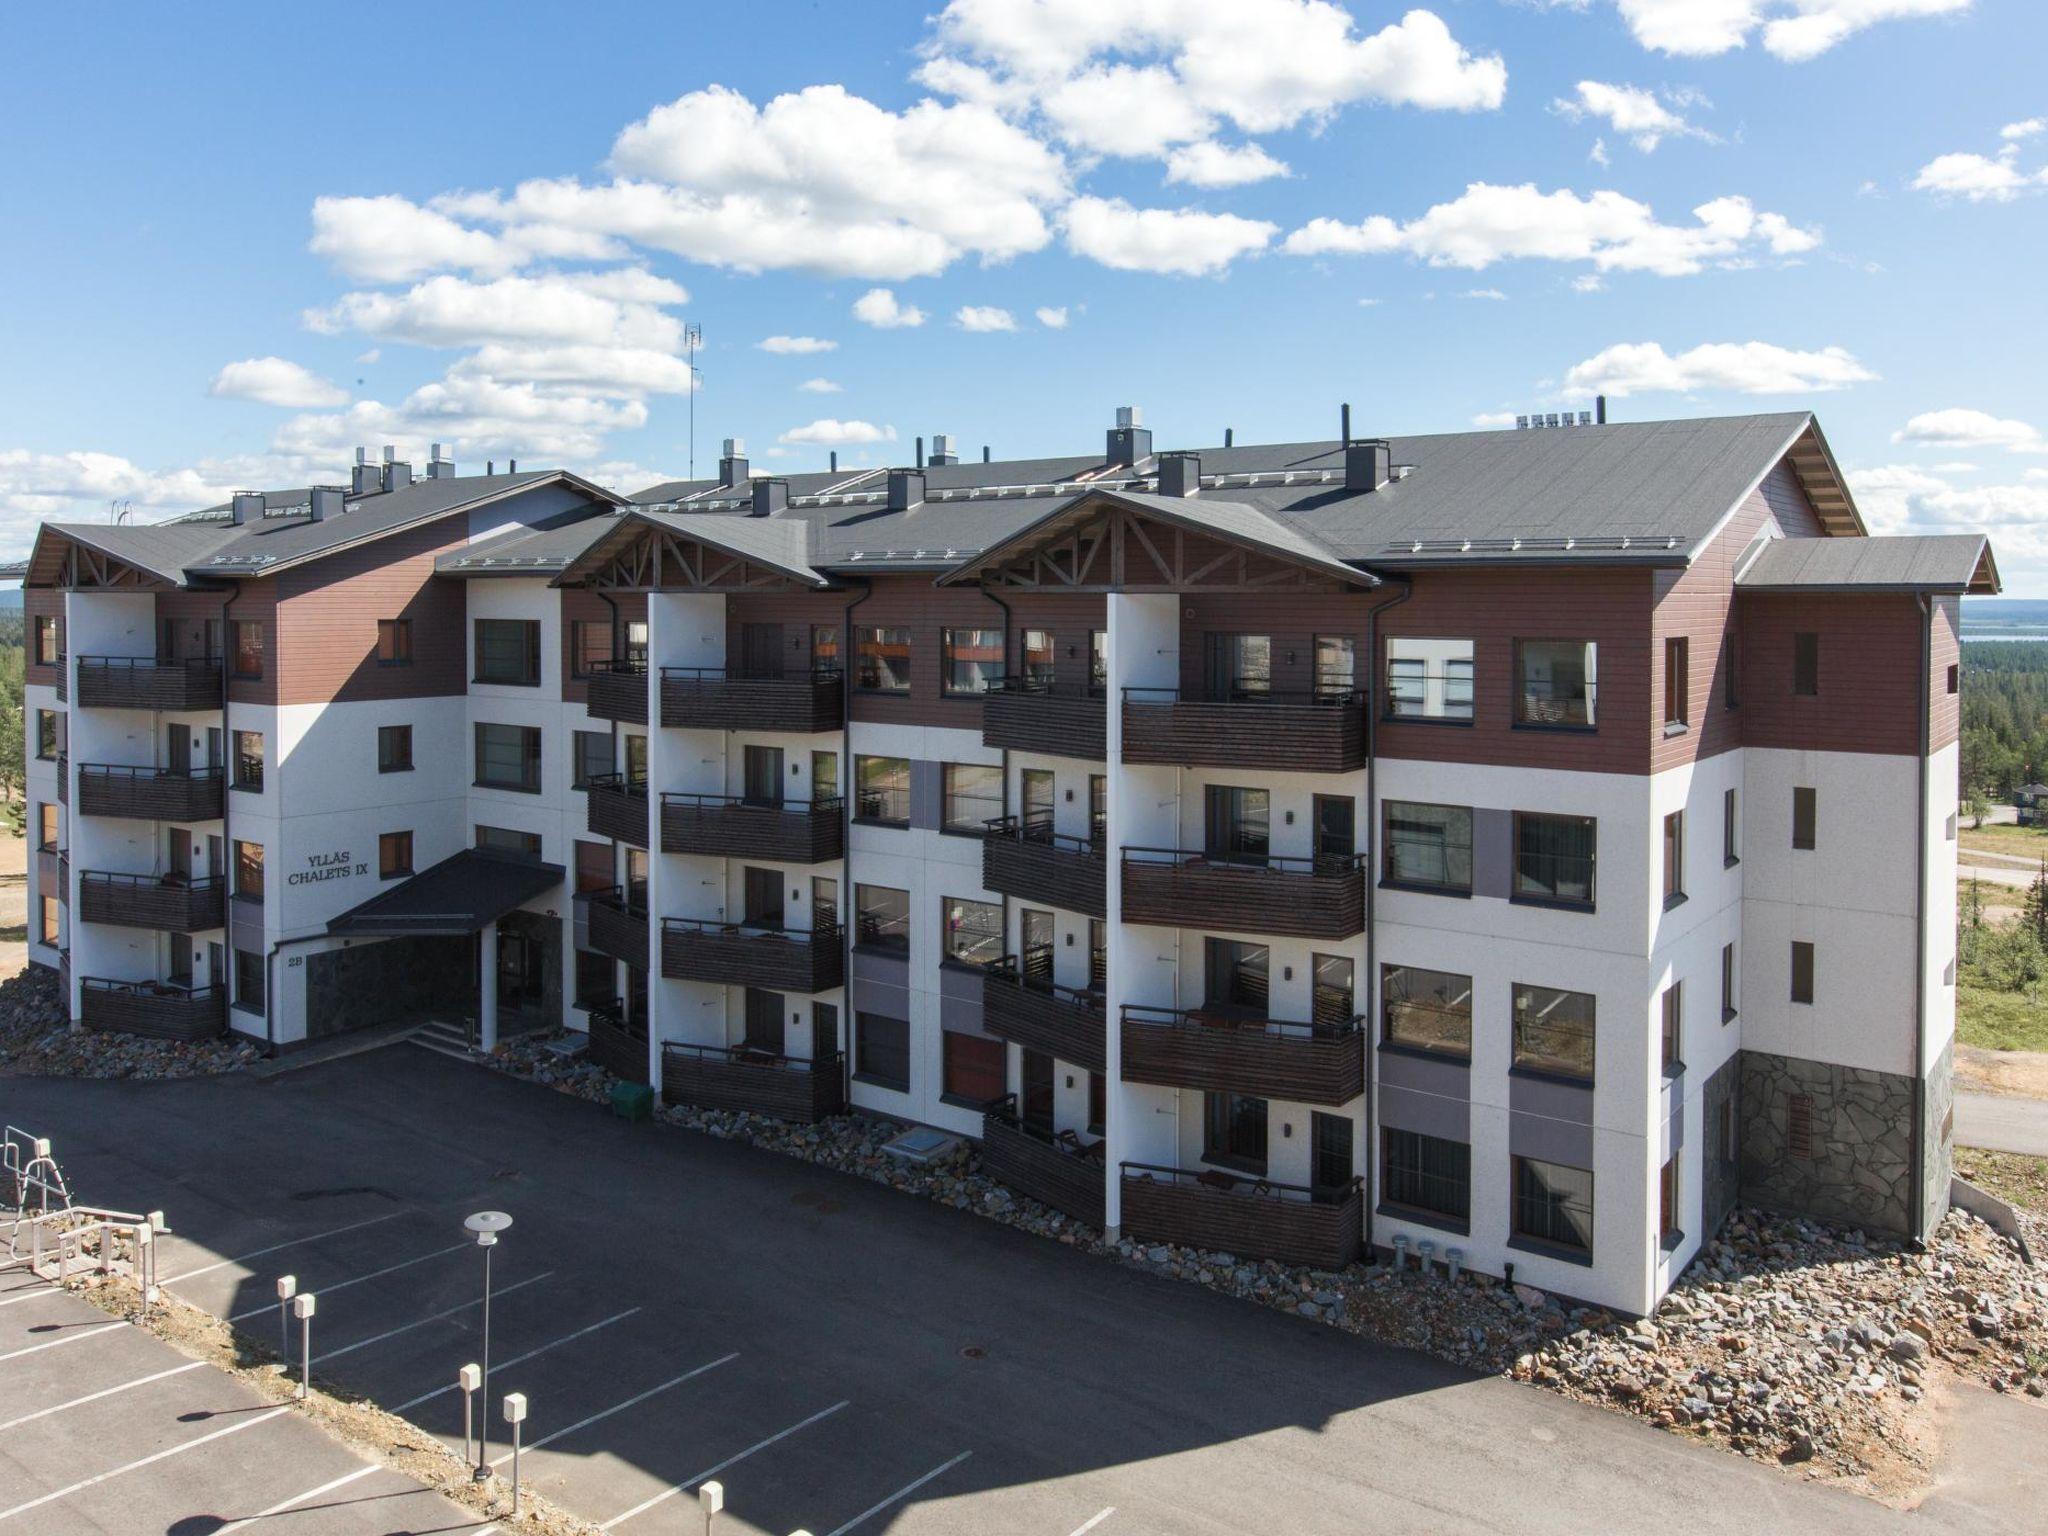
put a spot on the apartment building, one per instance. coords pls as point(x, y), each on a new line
point(1503, 846)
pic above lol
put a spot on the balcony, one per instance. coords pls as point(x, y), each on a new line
point(1250, 1217)
point(168, 903)
point(149, 794)
point(732, 826)
point(1318, 732)
point(158, 1010)
point(1026, 716)
point(618, 927)
point(617, 690)
point(764, 955)
point(1055, 1168)
point(714, 699)
point(1040, 1016)
point(1226, 1050)
point(753, 1082)
point(1030, 861)
point(63, 778)
point(63, 679)
point(141, 682)
point(1320, 898)
point(617, 807)
point(618, 1044)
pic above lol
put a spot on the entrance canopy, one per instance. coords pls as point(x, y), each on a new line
point(461, 894)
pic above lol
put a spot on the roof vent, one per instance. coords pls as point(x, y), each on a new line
point(364, 481)
point(246, 508)
point(327, 502)
point(1367, 464)
point(906, 489)
point(732, 465)
point(440, 467)
point(1180, 474)
point(1129, 440)
point(770, 497)
point(942, 449)
point(397, 473)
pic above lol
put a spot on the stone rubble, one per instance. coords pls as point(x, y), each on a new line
point(38, 1040)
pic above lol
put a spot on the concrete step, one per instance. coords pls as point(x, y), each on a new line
point(444, 1038)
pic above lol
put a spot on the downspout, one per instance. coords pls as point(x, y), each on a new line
point(1917, 1226)
point(1372, 795)
point(848, 788)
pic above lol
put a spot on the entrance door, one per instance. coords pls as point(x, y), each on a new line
point(1037, 801)
point(824, 1030)
point(1035, 1103)
point(216, 754)
point(178, 747)
point(761, 650)
point(178, 854)
point(519, 969)
point(764, 897)
point(181, 959)
point(1035, 934)
point(216, 855)
point(764, 1021)
point(1336, 827)
point(216, 965)
point(1331, 1143)
point(1239, 823)
point(763, 775)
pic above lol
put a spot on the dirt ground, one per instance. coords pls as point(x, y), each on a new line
point(13, 905)
point(2018, 1072)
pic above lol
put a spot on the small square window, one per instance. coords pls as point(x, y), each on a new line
point(394, 855)
point(394, 748)
point(394, 642)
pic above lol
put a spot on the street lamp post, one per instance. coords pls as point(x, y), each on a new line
point(485, 1226)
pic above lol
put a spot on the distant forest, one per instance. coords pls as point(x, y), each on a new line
point(2005, 716)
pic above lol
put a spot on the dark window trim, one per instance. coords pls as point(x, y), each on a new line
point(1540, 1075)
point(402, 627)
point(532, 649)
point(1541, 1249)
point(1416, 1216)
point(1388, 1047)
point(1452, 891)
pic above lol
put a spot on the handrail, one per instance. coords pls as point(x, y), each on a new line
point(750, 1056)
point(718, 927)
point(1007, 970)
point(1004, 1110)
point(167, 882)
point(165, 989)
point(621, 783)
point(1200, 1018)
point(736, 675)
point(124, 771)
point(154, 663)
point(831, 806)
point(1038, 829)
point(1242, 692)
point(1255, 1184)
point(627, 666)
point(618, 899)
point(1277, 863)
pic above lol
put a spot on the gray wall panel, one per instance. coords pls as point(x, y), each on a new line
point(1404, 1109)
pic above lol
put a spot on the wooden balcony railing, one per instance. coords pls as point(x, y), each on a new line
point(1040, 1016)
point(618, 691)
point(1309, 898)
point(1223, 1050)
point(63, 778)
point(1250, 1217)
point(168, 903)
point(756, 1082)
point(1027, 716)
point(1055, 1168)
point(786, 831)
point(143, 682)
point(617, 926)
point(618, 1043)
point(716, 699)
point(158, 1010)
point(149, 794)
point(753, 954)
point(616, 807)
point(1316, 732)
point(1028, 860)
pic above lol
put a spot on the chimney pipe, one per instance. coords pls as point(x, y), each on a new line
point(942, 449)
point(363, 480)
point(1229, 437)
point(1600, 409)
point(397, 474)
point(327, 502)
point(490, 467)
point(439, 466)
point(511, 466)
point(906, 489)
point(1129, 440)
point(1366, 464)
point(984, 453)
point(770, 497)
point(1180, 474)
point(732, 465)
point(1347, 423)
point(246, 508)
point(835, 461)
point(920, 453)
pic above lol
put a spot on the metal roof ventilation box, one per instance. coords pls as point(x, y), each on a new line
point(1367, 464)
point(732, 465)
point(1130, 439)
point(364, 481)
point(246, 508)
point(327, 502)
point(440, 467)
point(942, 449)
point(770, 497)
point(397, 472)
point(906, 489)
point(1180, 474)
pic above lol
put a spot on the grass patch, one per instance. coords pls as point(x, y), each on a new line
point(2001, 1021)
point(2015, 1179)
point(2004, 838)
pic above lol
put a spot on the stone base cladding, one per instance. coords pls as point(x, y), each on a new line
point(1939, 1153)
point(1721, 1179)
point(1828, 1141)
point(385, 982)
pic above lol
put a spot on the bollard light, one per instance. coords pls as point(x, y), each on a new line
point(515, 1415)
point(302, 1309)
point(287, 1288)
point(710, 1499)
point(467, 1380)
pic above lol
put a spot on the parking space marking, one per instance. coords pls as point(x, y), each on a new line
point(432, 1317)
point(1085, 1529)
point(93, 1397)
point(690, 1482)
point(69, 1338)
point(634, 1401)
point(29, 1293)
point(342, 1285)
point(506, 1365)
point(133, 1466)
point(297, 1499)
point(316, 1237)
point(900, 1494)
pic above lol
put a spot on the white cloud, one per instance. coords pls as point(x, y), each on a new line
point(1210, 164)
point(1979, 178)
point(1052, 319)
point(617, 371)
point(984, 317)
point(1598, 154)
point(827, 433)
point(370, 356)
point(79, 486)
point(1490, 223)
point(2024, 130)
point(477, 416)
point(275, 381)
point(1182, 241)
point(1630, 110)
point(819, 387)
point(1747, 368)
point(1588, 282)
point(878, 307)
point(1491, 420)
point(1903, 498)
point(392, 240)
point(1792, 30)
point(1484, 293)
point(618, 309)
point(1961, 427)
point(796, 346)
point(1123, 110)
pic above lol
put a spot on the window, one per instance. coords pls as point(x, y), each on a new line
point(883, 659)
point(824, 903)
point(1674, 858)
point(970, 659)
point(882, 1051)
point(1038, 657)
point(249, 980)
point(1428, 846)
point(973, 931)
point(49, 733)
point(1676, 683)
point(1955, 675)
point(49, 641)
point(884, 790)
point(636, 758)
point(1806, 664)
point(508, 757)
point(249, 760)
point(597, 978)
point(635, 649)
point(1098, 660)
point(1236, 976)
point(1035, 799)
point(394, 855)
point(1098, 1103)
point(246, 659)
point(1234, 1131)
point(590, 647)
point(882, 915)
point(593, 866)
point(249, 870)
point(1727, 983)
point(1554, 1032)
point(1674, 1027)
point(634, 885)
point(1805, 812)
point(1554, 1204)
point(1333, 994)
point(1554, 682)
point(1667, 1203)
point(1098, 808)
point(1240, 666)
point(508, 651)
point(593, 756)
point(1336, 666)
point(52, 921)
point(1426, 1010)
point(1332, 1169)
point(1429, 679)
point(976, 1067)
point(506, 840)
point(1554, 858)
point(1426, 1173)
point(394, 642)
point(974, 795)
point(824, 777)
point(394, 748)
point(1731, 844)
point(1802, 971)
point(49, 827)
point(1731, 682)
point(1238, 823)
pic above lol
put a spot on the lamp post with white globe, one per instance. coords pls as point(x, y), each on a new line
point(485, 1226)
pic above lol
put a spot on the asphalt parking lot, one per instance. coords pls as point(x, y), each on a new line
point(842, 1358)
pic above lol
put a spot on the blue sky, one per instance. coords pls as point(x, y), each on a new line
point(241, 239)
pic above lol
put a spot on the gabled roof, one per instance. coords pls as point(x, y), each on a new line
point(779, 544)
point(1945, 562)
point(460, 894)
point(162, 550)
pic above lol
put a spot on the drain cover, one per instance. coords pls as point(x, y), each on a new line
point(974, 1352)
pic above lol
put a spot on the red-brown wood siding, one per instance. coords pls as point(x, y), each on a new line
point(1292, 620)
point(255, 601)
point(1069, 620)
point(40, 602)
point(325, 645)
point(580, 605)
point(1869, 698)
point(913, 603)
point(1945, 717)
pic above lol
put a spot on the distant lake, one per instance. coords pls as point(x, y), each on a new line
point(1972, 637)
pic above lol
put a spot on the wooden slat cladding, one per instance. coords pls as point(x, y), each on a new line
point(1056, 874)
point(804, 1092)
point(1243, 898)
point(1945, 716)
point(1495, 608)
point(323, 646)
point(149, 794)
point(1032, 1164)
point(1068, 621)
point(701, 701)
point(617, 695)
point(1869, 696)
point(254, 602)
point(580, 605)
point(618, 932)
point(1058, 724)
point(1320, 1234)
point(779, 961)
point(913, 603)
point(1291, 619)
point(128, 902)
point(41, 603)
point(617, 810)
point(1065, 1024)
point(1181, 1049)
point(116, 683)
point(1303, 736)
point(614, 1047)
point(786, 834)
point(140, 1009)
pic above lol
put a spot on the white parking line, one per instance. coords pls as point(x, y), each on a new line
point(243, 1258)
point(176, 1450)
point(690, 1482)
point(297, 1499)
point(1085, 1529)
point(900, 1494)
point(506, 1365)
point(69, 1338)
point(585, 1423)
point(342, 1285)
point(93, 1397)
point(31, 1293)
point(432, 1317)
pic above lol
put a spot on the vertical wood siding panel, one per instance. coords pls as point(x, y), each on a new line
point(40, 602)
point(1869, 698)
point(327, 615)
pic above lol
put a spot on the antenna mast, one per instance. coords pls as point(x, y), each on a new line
point(693, 338)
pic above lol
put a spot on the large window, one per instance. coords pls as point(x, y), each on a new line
point(590, 647)
point(394, 748)
point(1238, 823)
point(52, 928)
point(508, 651)
point(1554, 682)
point(1676, 686)
point(507, 840)
point(975, 1067)
point(49, 640)
point(1554, 1204)
point(594, 869)
point(249, 870)
point(1239, 666)
point(1554, 1032)
point(249, 980)
point(883, 790)
point(1426, 1174)
point(1806, 665)
point(1236, 975)
point(882, 657)
point(593, 756)
point(973, 931)
point(970, 659)
point(1428, 679)
point(394, 642)
point(882, 914)
point(1038, 657)
point(246, 659)
point(974, 795)
point(1234, 1131)
point(249, 760)
point(394, 855)
point(1554, 858)
point(1426, 1010)
point(1336, 666)
point(508, 757)
point(49, 826)
point(1428, 845)
point(882, 1050)
point(49, 733)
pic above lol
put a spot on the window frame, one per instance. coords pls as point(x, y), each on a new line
point(891, 934)
point(1398, 1177)
point(865, 1068)
point(398, 651)
point(1390, 1040)
point(1677, 685)
point(979, 681)
point(1034, 644)
point(1553, 1064)
point(580, 769)
point(245, 962)
point(1674, 858)
point(49, 735)
point(1589, 687)
point(245, 650)
point(1729, 980)
point(1579, 1246)
point(1438, 706)
point(1449, 849)
point(395, 762)
point(530, 757)
point(488, 654)
point(1805, 818)
point(394, 854)
point(1806, 664)
point(251, 874)
point(507, 840)
point(970, 948)
point(248, 766)
point(988, 1073)
point(47, 640)
point(871, 664)
point(1671, 1028)
point(1551, 898)
point(886, 793)
point(951, 800)
point(1731, 829)
point(1803, 959)
point(1226, 1117)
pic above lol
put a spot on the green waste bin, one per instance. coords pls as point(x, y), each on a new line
point(632, 1101)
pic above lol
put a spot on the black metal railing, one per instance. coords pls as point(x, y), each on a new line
point(1249, 690)
point(1431, 694)
point(1229, 1016)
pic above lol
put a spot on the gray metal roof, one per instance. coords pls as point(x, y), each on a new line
point(458, 895)
point(779, 543)
point(1945, 562)
point(527, 551)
